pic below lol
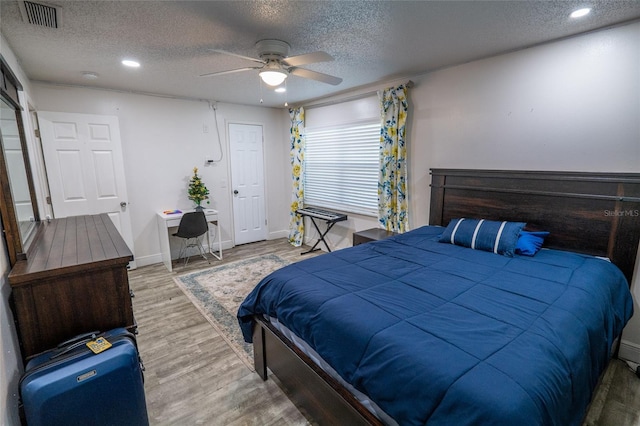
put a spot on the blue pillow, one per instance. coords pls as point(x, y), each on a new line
point(530, 242)
point(479, 234)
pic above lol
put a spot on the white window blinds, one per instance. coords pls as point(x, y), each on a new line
point(341, 167)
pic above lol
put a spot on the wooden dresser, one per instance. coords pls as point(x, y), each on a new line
point(74, 281)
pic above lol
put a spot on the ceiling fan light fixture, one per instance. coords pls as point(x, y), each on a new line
point(273, 77)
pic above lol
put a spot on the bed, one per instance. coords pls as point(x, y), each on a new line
point(418, 331)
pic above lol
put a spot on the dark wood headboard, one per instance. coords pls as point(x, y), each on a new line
point(592, 213)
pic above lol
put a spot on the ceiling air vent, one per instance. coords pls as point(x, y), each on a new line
point(40, 13)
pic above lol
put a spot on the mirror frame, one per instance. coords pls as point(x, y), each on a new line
point(9, 87)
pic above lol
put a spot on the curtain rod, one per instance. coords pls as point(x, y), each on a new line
point(409, 85)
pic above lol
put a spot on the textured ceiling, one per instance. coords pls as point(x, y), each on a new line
point(371, 41)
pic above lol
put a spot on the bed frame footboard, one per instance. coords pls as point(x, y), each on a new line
point(317, 395)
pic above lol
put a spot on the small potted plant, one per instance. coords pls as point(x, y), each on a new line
point(198, 192)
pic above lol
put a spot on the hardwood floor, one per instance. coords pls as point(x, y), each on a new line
point(193, 377)
point(617, 399)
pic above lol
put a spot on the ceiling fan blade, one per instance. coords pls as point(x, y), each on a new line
point(260, 61)
point(307, 58)
point(314, 75)
point(211, 74)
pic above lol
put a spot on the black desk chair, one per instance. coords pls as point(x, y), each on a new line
point(192, 226)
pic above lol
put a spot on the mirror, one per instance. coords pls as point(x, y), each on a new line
point(16, 171)
point(18, 209)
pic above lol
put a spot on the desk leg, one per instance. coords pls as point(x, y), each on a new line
point(217, 255)
point(219, 241)
point(165, 248)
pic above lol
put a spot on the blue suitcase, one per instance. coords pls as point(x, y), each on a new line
point(73, 385)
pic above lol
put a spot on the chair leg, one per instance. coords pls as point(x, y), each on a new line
point(196, 243)
point(187, 257)
point(183, 249)
point(202, 251)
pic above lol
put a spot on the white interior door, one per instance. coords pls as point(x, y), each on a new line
point(85, 169)
point(247, 183)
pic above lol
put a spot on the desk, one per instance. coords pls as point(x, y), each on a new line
point(168, 221)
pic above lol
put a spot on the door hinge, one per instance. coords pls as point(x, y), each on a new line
point(48, 200)
point(37, 133)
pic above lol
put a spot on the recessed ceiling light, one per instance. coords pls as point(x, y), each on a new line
point(90, 75)
point(580, 12)
point(130, 63)
point(281, 90)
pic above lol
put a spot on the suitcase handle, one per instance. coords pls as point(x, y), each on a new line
point(84, 336)
point(71, 347)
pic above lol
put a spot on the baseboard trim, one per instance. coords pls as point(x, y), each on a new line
point(148, 260)
point(278, 234)
point(157, 258)
point(629, 351)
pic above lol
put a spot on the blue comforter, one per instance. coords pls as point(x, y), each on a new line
point(445, 335)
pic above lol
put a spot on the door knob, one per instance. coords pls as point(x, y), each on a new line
point(123, 204)
point(235, 191)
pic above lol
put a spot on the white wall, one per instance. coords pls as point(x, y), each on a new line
point(163, 139)
point(571, 105)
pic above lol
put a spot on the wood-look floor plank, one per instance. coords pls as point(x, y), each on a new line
point(193, 377)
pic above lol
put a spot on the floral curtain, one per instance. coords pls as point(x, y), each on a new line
point(296, 222)
point(392, 178)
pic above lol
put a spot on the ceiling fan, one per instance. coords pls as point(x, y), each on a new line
point(275, 66)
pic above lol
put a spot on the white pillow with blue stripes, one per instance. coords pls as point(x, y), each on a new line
point(480, 234)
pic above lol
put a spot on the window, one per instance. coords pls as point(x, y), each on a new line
point(341, 167)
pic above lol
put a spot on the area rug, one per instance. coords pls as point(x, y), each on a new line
point(218, 292)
